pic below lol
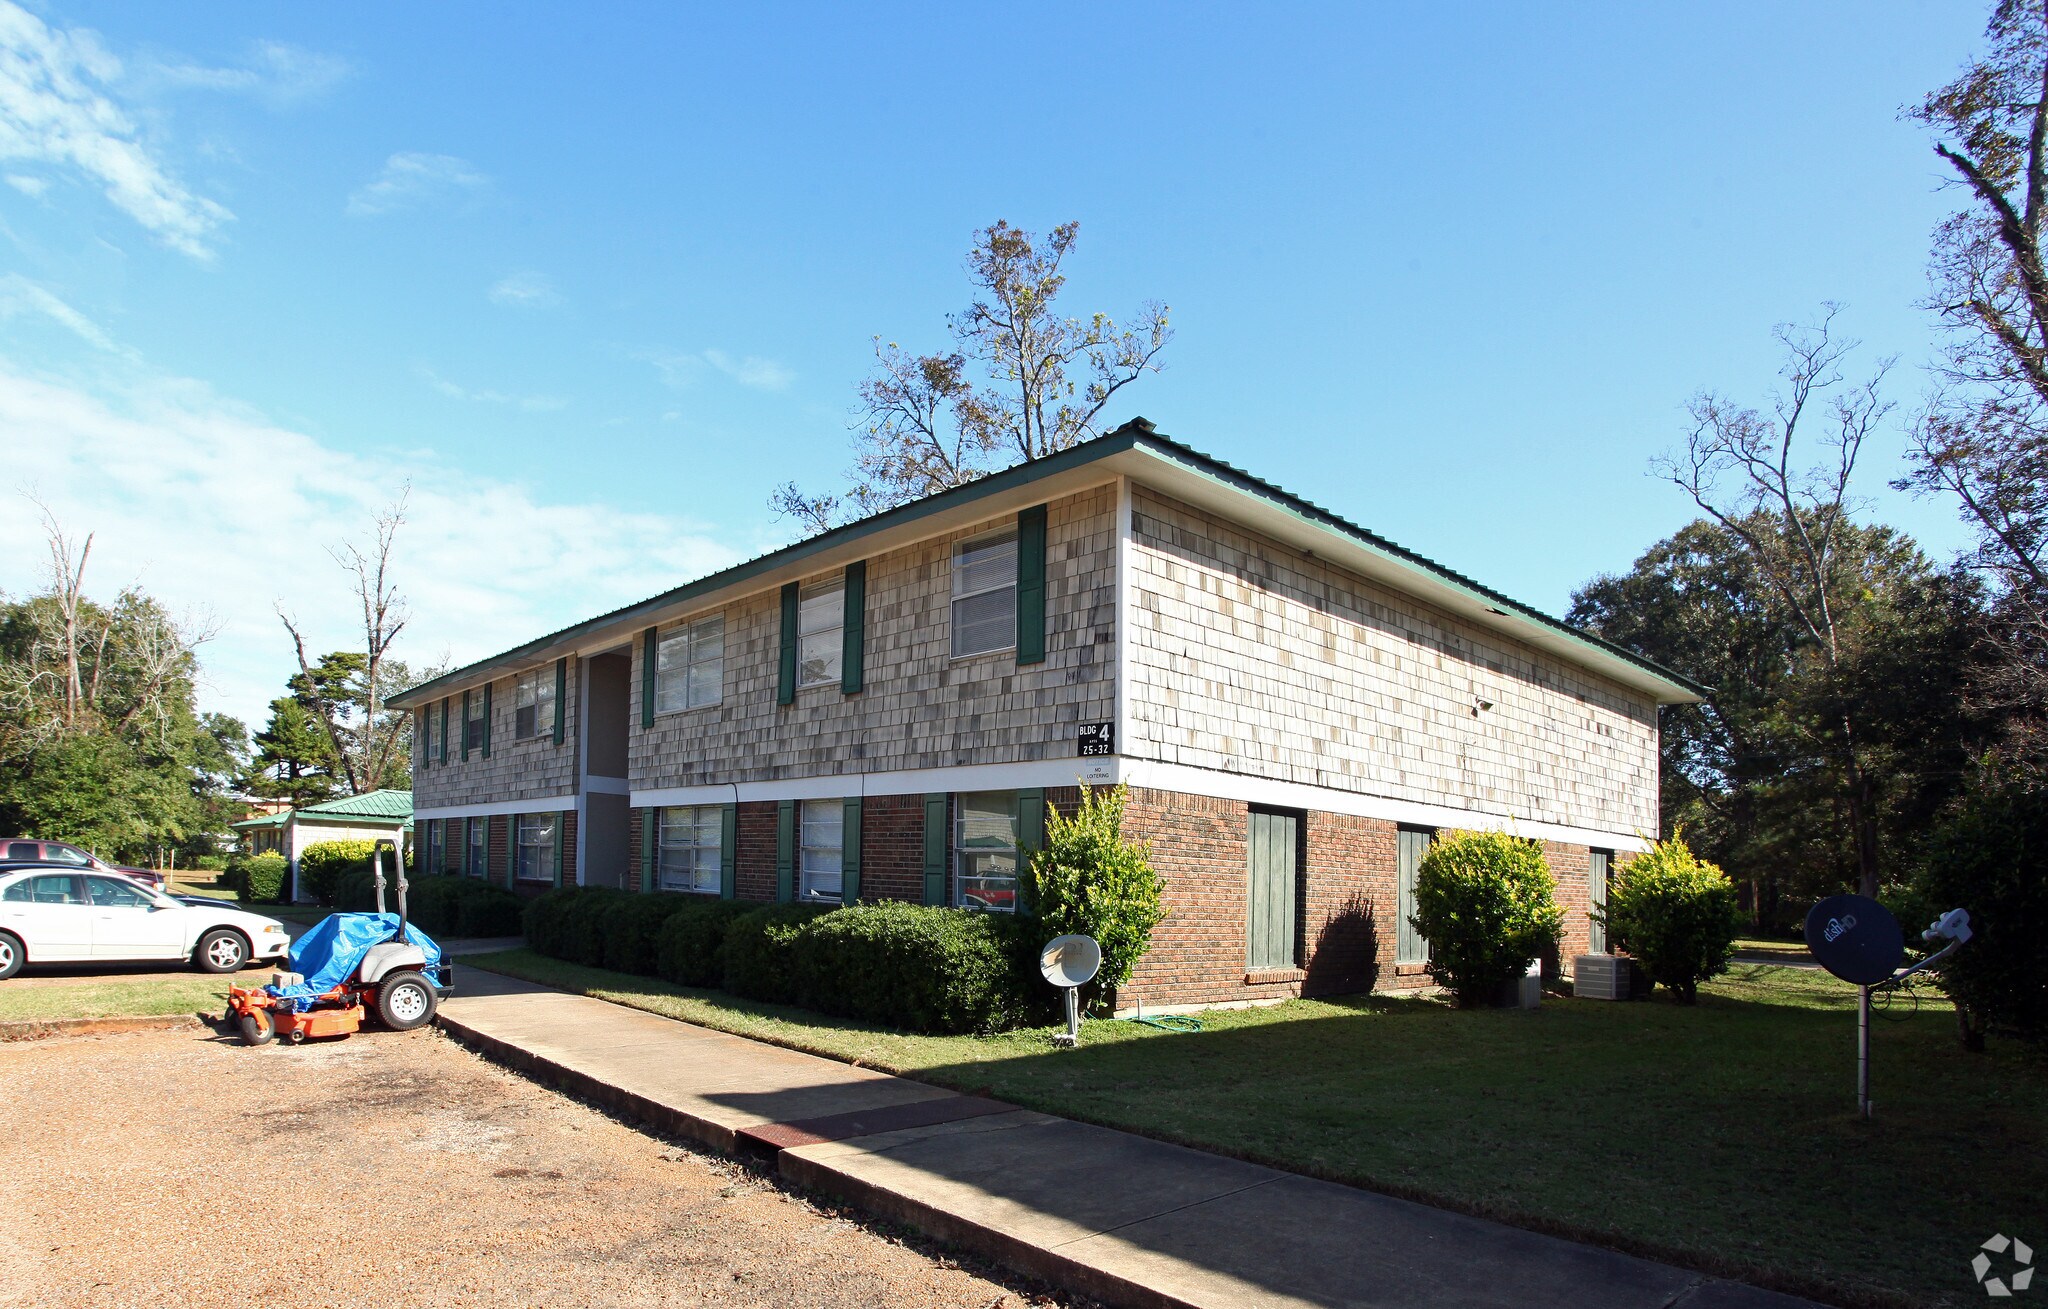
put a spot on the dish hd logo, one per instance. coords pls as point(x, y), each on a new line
point(2022, 1254)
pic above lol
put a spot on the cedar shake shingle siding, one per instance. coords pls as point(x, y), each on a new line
point(921, 707)
point(1250, 659)
point(533, 769)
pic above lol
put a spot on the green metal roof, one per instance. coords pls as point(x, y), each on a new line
point(370, 804)
point(1137, 434)
point(267, 820)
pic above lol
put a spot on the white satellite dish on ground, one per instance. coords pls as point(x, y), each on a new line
point(1070, 962)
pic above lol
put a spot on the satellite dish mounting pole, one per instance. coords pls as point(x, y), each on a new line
point(1863, 1052)
point(1073, 1015)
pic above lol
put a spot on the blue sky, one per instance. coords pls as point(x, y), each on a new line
point(595, 279)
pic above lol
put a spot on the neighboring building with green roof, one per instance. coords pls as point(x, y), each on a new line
point(885, 710)
point(365, 817)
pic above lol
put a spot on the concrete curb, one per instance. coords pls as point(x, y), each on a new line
point(36, 1029)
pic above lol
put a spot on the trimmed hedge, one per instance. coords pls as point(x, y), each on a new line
point(686, 948)
point(441, 906)
point(1676, 913)
point(325, 865)
point(946, 971)
point(758, 956)
point(256, 878)
point(923, 969)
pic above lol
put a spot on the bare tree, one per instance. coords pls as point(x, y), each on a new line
point(1982, 436)
point(366, 753)
point(1740, 468)
point(67, 587)
point(1023, 382)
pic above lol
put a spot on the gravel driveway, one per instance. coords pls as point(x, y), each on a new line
point(184, 1169)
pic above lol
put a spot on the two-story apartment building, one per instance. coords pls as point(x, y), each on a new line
point(885, 711)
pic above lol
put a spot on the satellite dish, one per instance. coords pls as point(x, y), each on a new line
point(1070, 960)
point(1855, 938)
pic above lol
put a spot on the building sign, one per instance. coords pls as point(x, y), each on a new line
point(1097, 739)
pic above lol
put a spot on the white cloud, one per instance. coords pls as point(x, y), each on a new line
point(530, 403)
point(524, 291)
point(213, 508)
point(411, 178)
point(51, 113)
point(279, 74)
point(19, 296)
point(32, 187)
point(681, 370)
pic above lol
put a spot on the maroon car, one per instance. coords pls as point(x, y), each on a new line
point(24, 850)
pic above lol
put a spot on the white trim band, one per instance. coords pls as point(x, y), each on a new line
point(540, 804)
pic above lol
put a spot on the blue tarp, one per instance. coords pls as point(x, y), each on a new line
point(327, 955)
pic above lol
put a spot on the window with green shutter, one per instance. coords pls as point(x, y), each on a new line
point(849, 850)
point(935, 830)
point(561, 697)
point(853, 656)
point(785, 673)
point(1411, 843)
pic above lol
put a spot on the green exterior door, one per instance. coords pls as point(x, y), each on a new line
point(1596, 886)
point(1410, 946)
point(1270, 910)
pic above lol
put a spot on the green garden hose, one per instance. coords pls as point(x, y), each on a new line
point(1170, 1022)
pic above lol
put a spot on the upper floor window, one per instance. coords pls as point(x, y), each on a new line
point(689, 666)
point(985, 850)
point(690, 854)
point(820, 626)
point(822, 846)
point(430, 733)
point(473, 726)
point(985, 594)
point(533, 704)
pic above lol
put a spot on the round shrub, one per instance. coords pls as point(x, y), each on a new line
point(630, 926)
point(1089, 880)
point(546, 920)
point(583, 934)
point(757, 959)
point(945, 971)
point(257, 878)
point(1675, 915)
point(485, 910)
point(430, 902)
point(323, 864)
point(1487, 903)
point(686, 946)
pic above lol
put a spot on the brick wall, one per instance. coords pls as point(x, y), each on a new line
point(892, 848)
point(636, 825)
point(500, 841)
point(755, 871)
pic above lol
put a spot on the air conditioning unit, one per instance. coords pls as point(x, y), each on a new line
point(1606, 977)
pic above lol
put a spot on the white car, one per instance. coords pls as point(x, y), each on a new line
point(52, 915)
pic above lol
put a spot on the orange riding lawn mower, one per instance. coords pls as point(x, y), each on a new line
point(347, 965)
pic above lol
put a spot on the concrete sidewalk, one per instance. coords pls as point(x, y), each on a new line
point(1122, 1218)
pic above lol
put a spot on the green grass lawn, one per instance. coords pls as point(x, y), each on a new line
point(1721, 1137)
point(139, 997)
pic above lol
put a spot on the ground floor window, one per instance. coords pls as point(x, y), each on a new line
point(433, 862)
point(537, 837)
point(479, 847)
point(1410, 946)
point(690, 854)
point(822, 849)
point(985, 851)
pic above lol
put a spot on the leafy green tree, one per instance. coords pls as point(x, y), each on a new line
point(1022, 381)
point(294, 757)
point(1675, 915)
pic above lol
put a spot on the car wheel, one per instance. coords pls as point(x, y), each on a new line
point(258, 1027)
point(12, 956)
point(221, 950)
point(406, 1001)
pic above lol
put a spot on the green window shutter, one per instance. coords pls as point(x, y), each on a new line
point(444, 730)
point(465, 727)
point(728, 851)
point(647, 678)
point(853, 642)
point(785, 851)
point(785, 678)
point(561, 842)
point(935, 848)
point(1031, 585)
point(650, 834)
point(561, 697)
point(487, 720)
point(1030, 835)
point(419, 733)
point(849, 852)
